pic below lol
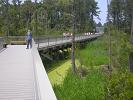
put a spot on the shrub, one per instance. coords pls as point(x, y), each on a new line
point(120, 86)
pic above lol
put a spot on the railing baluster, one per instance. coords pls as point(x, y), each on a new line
point(56, 40)
point(38, 42)
point(48, 41)
point(62, 38)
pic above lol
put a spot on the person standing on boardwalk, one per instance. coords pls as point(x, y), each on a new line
point(29, 39)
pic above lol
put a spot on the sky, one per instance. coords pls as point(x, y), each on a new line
point(102, 4)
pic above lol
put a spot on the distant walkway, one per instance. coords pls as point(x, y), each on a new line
point(59, 41)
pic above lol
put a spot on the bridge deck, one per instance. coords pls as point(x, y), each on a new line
point(22, 74)
point(17, 81)
point(65, 41)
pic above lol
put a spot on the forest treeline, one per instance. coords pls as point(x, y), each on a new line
point(121, 13)
point(46, 16)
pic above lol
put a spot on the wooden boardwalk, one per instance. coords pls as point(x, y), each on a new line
point(19, 76)
point(65, 40)
point(17, 81)
point(22, 74)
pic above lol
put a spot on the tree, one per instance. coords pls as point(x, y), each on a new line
point(73, 38)
point(52, 15)
point(121, 14)
point(99, 24)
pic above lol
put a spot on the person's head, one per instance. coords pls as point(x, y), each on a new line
point(28, 30)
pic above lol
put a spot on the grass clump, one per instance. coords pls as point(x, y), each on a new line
point(95, 53)
point(74, 88)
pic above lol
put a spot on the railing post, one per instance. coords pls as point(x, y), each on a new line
point(56, 40)
point(48, 41)
point(62, 38)
point(38, 42)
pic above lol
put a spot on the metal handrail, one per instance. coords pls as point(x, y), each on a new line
point(16, 38)
point(55, 40)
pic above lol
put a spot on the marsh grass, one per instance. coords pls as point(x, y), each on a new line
point(92, 86)
point(74, 88)
point(95, 54)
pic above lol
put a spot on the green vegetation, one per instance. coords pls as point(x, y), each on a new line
point(121, 14)
point(120, 82)
point(120, 86)
point(57, 75)
point(46, 17)
point(120, 48)
point(68, 86)
point(58, 71)
point(75, 88)
point(97, 85)
point(95, 54)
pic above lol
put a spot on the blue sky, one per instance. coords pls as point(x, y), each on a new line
point(102, 4)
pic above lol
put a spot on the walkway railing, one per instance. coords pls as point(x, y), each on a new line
point(46, 38)
point(44, 87)
point(16, 40)
point(46, 41)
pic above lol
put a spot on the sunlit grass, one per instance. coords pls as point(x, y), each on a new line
point(58, 73)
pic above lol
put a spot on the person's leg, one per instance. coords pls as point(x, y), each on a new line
point(28, 42)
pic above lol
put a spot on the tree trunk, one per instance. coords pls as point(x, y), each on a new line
point(7, 15)
point(132, 29)
point(131, 62)
point(109, 37)
point(73, 39)
point(36, 19)
point(131, 54)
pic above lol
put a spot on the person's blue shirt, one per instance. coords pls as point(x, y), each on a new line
point(29, 36)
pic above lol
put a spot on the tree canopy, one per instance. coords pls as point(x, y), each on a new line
point(47, 16)
point(121, 14)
